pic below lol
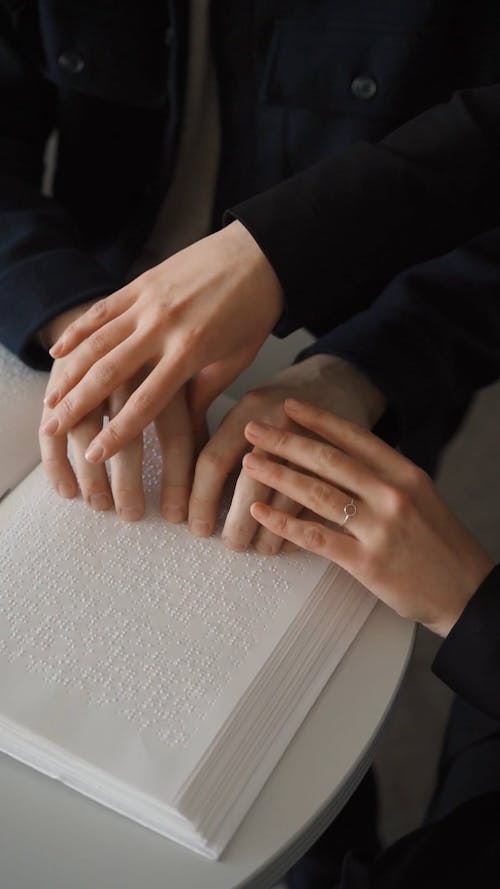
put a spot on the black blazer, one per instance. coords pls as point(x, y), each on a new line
point(462, 849)
point(299, 81)
point(371, 231)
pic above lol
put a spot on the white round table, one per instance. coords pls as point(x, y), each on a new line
point(53, 838)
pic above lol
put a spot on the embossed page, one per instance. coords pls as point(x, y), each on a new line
point(21, 400)
point(124, 648)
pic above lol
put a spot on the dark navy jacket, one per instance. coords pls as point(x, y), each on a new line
point(299, 81)
point(460, 848)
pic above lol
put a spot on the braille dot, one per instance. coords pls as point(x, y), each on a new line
point(124, 638)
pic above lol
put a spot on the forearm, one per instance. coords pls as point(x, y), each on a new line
point(44, 269)
point(338, 232)
point(344, 388)
point(469, 659)
point(459, 850)
point(429, 342)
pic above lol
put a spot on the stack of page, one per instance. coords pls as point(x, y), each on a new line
point(162, 675)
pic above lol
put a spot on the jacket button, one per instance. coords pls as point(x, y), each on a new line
point(364, 87)
point(71, 61)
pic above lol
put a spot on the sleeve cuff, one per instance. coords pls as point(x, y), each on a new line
point(468, 661)
point(329, 256)
point(396, 352)
point(39, 289)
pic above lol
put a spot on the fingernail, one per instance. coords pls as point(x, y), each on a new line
point(51, 426)
point(94, 453)
point(56, 349)
point(250, 461)
point(173, 513)
point(51, 398)
point(200, 528)
point(266, 549)
point(259, 508)
point(65, 489)
point(130, 513)
point(233, 544)
point(293, 404)
point(100, 501)
point(255, 429)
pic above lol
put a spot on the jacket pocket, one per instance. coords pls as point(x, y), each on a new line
point(348, 70)
point(325, 87)
point(112, 49)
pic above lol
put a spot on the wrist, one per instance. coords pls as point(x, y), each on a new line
point(265, 288)
point(445, 622)
point(339, 373)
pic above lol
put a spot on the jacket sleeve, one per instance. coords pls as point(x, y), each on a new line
point(460, 850)
point(469, 658)
point(338, 232)
point(429, 342)
point(44, 269)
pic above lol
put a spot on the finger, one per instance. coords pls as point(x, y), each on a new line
point(126, 481)
point(323, 498)
point(54, 454)
point(99, 382)
point(312, 536)
point(240, 526)
point(266, 541)
point(208, 384)
point(307, 515)
point(217, 460)
point(322, 459)
point(289, 547)
point(100, 313)
point(96, 346)
point(395, 471)
point(175, 434)
point(357, 442)
point(141, 409)
point(93, 480)
point(126, 467)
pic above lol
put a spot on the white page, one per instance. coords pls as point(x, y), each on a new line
point(130, 644)
point(104, 626)
point(21, 402)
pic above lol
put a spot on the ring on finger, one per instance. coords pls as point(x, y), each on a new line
point(350, 510)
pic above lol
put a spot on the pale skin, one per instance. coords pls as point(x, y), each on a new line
point(174, 325)
point(403, 543)
point(326, 381)
point(124, 488)
point(199, 317)
point(187, 328)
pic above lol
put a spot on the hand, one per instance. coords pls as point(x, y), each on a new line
point(203, 314)
point(403, 543)
point(173, 427)
point(55, 328)
point(125, 491)
point(323, 379)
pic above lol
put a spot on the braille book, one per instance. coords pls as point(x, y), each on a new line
point(159, 674)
